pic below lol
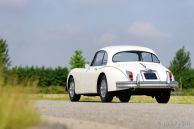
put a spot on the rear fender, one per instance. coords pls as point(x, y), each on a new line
point(114, 75)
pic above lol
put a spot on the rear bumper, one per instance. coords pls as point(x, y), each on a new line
point(147, 84)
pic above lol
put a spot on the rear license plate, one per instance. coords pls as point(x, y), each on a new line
point(150, 76)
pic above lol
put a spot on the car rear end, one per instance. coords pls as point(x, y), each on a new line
point(143, 75)
point(155, 81)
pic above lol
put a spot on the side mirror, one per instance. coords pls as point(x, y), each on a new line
point(87, 65)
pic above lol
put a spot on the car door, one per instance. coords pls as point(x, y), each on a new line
point(92, 73)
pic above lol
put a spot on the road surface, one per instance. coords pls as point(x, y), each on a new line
point(94, 115)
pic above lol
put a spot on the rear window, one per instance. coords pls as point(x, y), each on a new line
point(128, 56)
point(146, 57)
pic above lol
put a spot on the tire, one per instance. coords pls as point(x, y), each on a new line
point(124, 97)
point(105, 96)
point(163, 97)
point(71, 90)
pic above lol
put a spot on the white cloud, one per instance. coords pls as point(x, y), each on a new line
point(107, 38)
point(147, 30)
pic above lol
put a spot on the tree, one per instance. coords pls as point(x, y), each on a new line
point(77, 60)
point(4, 54)
point(181, 68)
point(181, 61)
point(4, 61)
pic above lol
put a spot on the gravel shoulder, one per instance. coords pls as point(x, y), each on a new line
point(49, 122)
point(94, 115)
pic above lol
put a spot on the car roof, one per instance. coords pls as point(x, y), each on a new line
point(120, 48)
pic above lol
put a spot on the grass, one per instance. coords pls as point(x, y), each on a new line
point(16, 109)
point(51, 90)
point(134, 99)
point(188, 92)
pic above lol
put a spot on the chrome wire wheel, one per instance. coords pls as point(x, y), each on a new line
point(72, 95)
point(72, 89)
point(103, 88)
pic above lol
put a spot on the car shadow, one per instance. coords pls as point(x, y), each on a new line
point(96, 102)
point(114, 102)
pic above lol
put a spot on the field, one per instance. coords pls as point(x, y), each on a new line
point(134, 99)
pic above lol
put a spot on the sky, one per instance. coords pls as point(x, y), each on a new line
point(47, 32)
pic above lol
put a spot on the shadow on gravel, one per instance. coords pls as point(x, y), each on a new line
point(95, 102)
point(115, 102)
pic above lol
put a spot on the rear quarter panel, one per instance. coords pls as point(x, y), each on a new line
point(114, 75)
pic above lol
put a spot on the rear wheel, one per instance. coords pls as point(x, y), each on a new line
point(124, 97)
point(103, 90)
point(163, 97)
point(72, 95)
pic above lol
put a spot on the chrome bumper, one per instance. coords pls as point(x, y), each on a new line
point(147, 84)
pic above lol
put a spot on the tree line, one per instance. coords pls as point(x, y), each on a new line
point(42, 76)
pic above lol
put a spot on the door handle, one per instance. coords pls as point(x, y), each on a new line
point(95, 69)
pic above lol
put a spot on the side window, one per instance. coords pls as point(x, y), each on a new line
point(98, 59)
point(155, 59)
point(146, 57)
point(105, 59)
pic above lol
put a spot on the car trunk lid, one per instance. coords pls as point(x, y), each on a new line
point(148, 71)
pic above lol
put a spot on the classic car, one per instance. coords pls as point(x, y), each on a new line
point(122, 71)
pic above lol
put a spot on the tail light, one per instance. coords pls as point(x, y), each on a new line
point(131, 76)
point(170, 75)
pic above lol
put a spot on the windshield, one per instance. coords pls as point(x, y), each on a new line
point(128, 56)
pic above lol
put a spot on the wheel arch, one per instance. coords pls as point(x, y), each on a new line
point(113, 75)
point(98, 80)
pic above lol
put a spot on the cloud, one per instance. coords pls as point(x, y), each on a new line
point(147, 30)
point(107, 38)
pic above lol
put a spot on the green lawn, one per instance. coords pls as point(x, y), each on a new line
point(134, 99)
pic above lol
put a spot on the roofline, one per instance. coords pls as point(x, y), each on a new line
point(126, 47)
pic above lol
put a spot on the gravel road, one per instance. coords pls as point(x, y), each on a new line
point(95, 115)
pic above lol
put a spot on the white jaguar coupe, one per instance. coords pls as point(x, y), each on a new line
point(122, 71)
